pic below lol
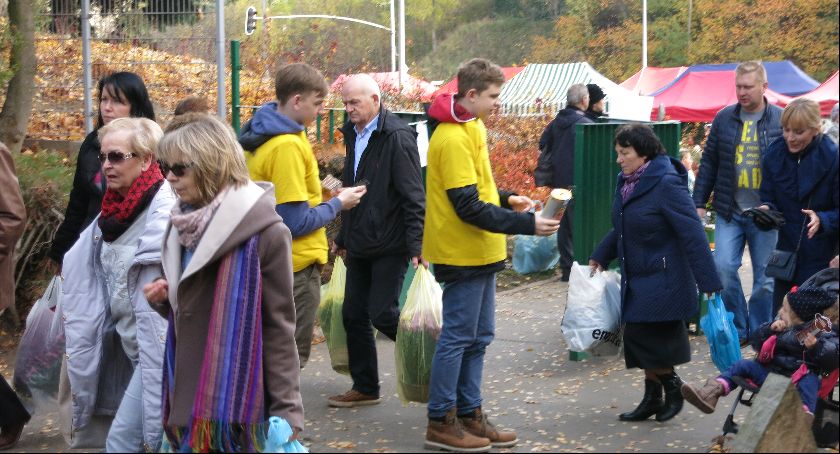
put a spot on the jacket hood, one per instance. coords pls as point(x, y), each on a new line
point(445, 110)
point(568, 117)
point(267, 123)
point(664, 164)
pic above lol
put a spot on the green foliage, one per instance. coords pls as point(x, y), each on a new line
point(45, 182)
point(505, 41)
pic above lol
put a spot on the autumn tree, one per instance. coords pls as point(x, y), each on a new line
point(17, 106)
point(803, 31)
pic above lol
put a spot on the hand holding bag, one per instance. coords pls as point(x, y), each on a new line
point(592, 320)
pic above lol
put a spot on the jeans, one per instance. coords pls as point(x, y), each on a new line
point(126, 434)
point(730, 238)
point(468, 327)
point(808, 386)
point(371, 297)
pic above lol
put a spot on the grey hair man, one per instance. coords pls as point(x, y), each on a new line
point(558, 140)
point(379, 236)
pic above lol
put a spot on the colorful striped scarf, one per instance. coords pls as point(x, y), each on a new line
point(229, 410)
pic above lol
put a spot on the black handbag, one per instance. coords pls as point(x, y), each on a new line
point(782, 264)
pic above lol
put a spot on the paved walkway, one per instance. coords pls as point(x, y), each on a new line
point(530, 385)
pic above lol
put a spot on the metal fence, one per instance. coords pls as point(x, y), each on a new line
point(171, 44)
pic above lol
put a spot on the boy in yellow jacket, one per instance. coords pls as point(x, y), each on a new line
point(467, 218)
point(278, 151)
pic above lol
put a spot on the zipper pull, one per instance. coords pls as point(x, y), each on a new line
point(663, 264)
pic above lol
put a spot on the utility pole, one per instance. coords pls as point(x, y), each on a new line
point(644, 34)
point(402, 43)
point(393, 39)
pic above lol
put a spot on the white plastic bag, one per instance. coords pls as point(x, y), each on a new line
point(592, 320)
point(41, 349)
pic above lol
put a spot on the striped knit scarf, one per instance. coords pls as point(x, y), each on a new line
point(229, 410)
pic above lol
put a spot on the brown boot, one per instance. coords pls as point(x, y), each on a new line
point(450, 435)
point(478, 425)
point(705, 398)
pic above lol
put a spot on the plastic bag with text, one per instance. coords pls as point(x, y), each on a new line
point(592, 320)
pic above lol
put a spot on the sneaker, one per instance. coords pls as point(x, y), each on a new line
point(449, 435)
point(478, 425)
point(352, 398)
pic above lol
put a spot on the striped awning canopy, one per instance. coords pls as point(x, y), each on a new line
point(541, 89)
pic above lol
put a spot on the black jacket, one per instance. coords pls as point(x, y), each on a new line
point(85, 198)
point(389, 218)
point(717, 168)
point(559, 139)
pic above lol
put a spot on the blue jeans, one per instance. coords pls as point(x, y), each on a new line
point(468, 327)
point(730, 238)
point(126, 434)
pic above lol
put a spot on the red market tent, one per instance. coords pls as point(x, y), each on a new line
point(649, 80)
point(698, 96)
point(827, 94)
point(452, 85)
point(389, 82)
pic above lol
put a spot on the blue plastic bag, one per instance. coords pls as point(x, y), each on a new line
point(277, 438)
point(532, 254)
point(721, 334)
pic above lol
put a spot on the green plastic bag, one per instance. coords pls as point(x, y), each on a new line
point(332, 323)
point(417, 334)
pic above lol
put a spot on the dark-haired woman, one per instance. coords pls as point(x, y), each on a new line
point(121, 94)
point(664, 257)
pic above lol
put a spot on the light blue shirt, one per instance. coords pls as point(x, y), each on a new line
point(362, 140)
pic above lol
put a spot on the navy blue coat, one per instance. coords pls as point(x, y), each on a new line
point(661, 247)
point(717, 168)
point(788, 181)
point(559, 140)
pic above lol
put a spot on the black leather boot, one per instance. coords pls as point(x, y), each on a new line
point(673, 396)
point(650, 404)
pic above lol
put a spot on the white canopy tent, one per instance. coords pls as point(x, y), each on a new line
point(541, 89)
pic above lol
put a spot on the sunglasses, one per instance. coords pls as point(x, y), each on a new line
point(177, 169)
point(115, 157)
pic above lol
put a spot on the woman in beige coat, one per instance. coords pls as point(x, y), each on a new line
point(231, 361)
point(12, 223)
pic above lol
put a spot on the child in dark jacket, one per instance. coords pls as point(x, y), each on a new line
point(782, 352)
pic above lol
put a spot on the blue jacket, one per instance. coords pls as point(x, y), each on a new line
point(717, 168)
point(661, 247)
point(558, 138)
point(788, 182)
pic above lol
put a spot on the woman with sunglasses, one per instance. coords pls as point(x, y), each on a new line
point(227, 291)
point(114, 339)
point(121, 94)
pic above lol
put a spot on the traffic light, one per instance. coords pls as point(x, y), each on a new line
point(250, 20)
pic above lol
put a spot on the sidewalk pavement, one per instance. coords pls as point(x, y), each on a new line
point(530, 385)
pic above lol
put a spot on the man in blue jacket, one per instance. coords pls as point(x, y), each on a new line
point(559, 138)
point(731, 167)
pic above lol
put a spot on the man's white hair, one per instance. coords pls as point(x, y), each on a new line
point(363, 82)
point(576, 94)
